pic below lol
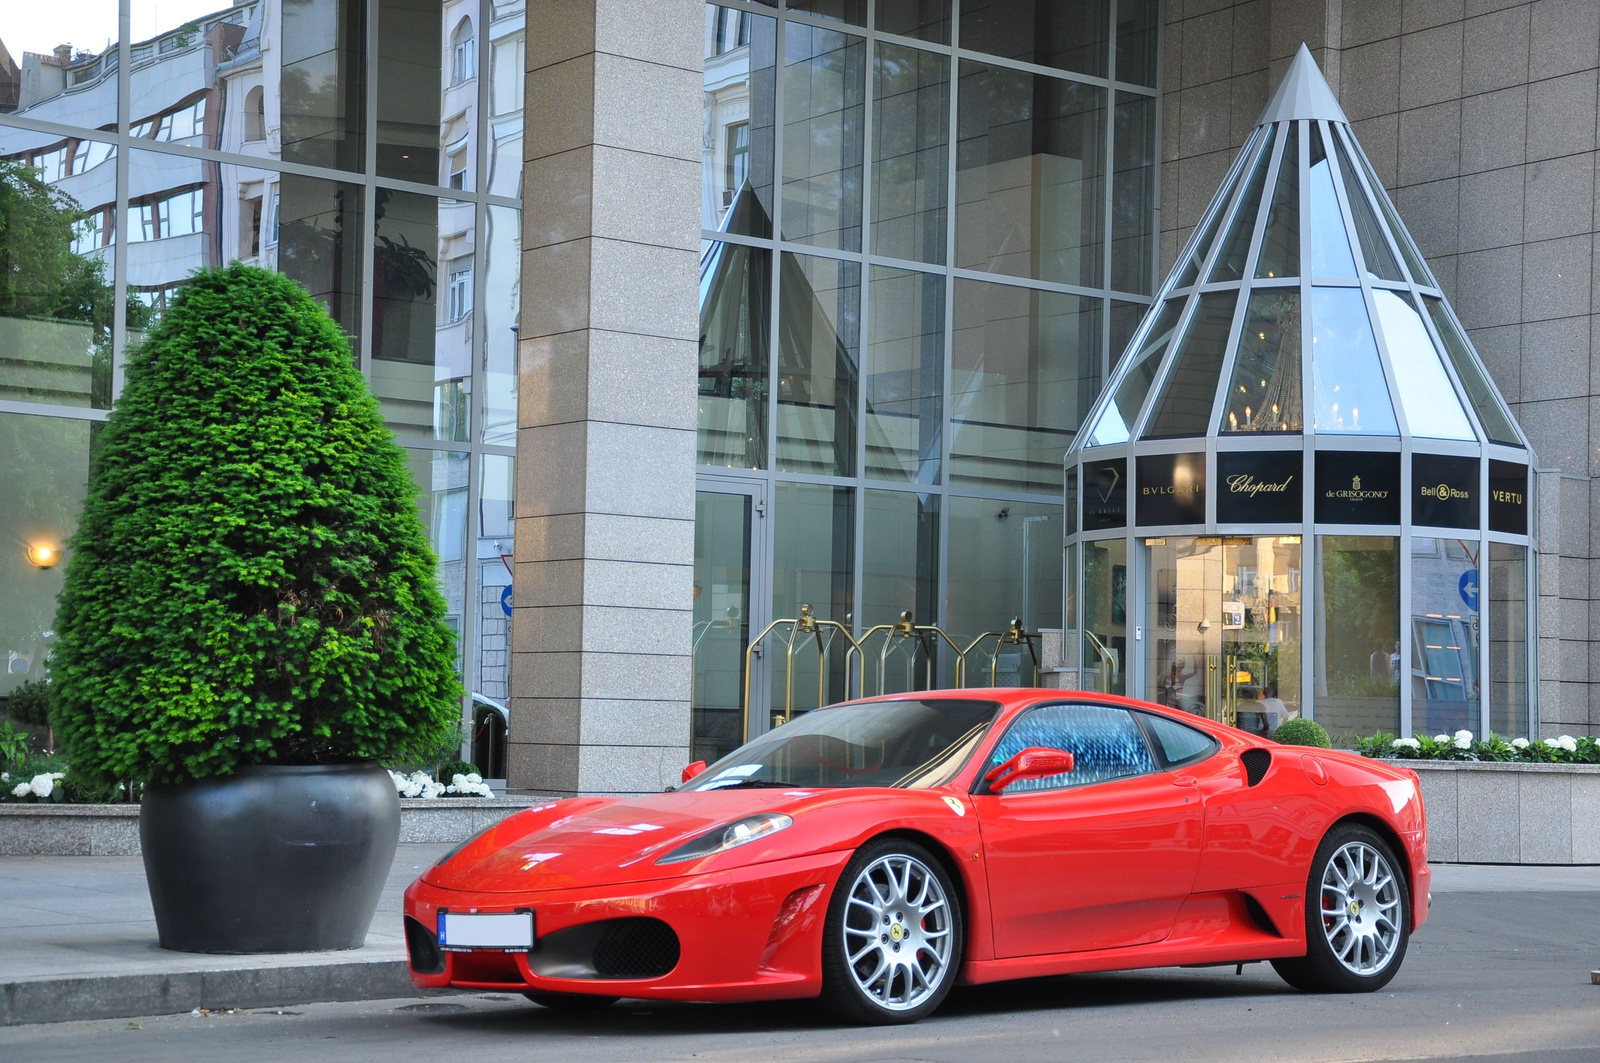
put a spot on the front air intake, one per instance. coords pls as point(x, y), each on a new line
point(423, 949)
point(611, 948)
point(1256, 762)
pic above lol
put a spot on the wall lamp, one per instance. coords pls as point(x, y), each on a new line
point(43, 555)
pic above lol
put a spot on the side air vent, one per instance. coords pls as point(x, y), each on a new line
point(1256, 762)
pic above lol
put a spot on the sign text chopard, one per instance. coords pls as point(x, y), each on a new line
point(1356, 492)
point(1245, 484)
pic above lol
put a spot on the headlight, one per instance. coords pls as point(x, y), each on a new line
point(731, 836)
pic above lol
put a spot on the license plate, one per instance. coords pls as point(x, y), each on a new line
point(500, 931)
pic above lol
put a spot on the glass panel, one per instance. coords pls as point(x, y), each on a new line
point(506, 45)
point(1045, 32)
point(721, 622)
point(414, 78)
point(1105, 616)
point(1414, 262)
point(899, 573)
point(1230, 262)
point(1026, 369)
point(1426, 394)
point(1133, 186)
point(904, 390)
point(1444, 636)
point(852, 11)
point(1265, 393)
point(1030, 159)
point(1225, 626)
point(735, 291)
point(502, 300)
point(323, 89)
point(1184, 408)
point(1202, 247)
point(813, 549)
point(1491, 414)
point(1374, 248)
point(1508, 640)
point(57, 300)
point(824, 86)
point(44, 472)
point(1280, 246)
point(1117, 420)
point(1105, 744)
point(1010, 567)
point(1125, 318)
point(819, 351)
point(44, 78)
point(927, 20)
point(910, 160)
point(1350, 392)
point(1330, 244)
point(497, 487)
point(1358, 635)
point(1138, 26)
point(174, 202)
point(740, 82)
point(441, 479)
point(422, 335)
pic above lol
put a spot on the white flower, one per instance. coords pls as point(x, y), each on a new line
point(1552, 743)
point(1441, 738)
point(22, 789)
point(1568, 743)
point(42, 785)
point(1519, 743)
point(1406, 743)
point(1463, 740)
point(469, 784)
point(5, 776)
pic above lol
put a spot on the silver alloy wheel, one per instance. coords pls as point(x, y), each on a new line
point(1361, 909)
point(897, 938)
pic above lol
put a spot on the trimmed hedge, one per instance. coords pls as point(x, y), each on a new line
point(250, 582)
point(1301, 732)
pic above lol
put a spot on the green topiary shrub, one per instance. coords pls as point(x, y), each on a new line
point(29, 703)
point(1302, 733)
point(249, 582)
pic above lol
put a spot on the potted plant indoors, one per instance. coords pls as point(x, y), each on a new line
point(250, 622)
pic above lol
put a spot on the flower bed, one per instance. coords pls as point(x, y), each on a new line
point(1493, 748)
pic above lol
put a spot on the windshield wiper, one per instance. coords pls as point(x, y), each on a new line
point(758, 784)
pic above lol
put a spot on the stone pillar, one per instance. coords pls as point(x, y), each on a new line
point(606, 431)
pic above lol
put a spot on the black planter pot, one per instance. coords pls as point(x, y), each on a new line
point(273, 859)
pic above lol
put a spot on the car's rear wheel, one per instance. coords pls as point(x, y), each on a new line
point(570, 1001)
point(1358, 916)
point(892, 942)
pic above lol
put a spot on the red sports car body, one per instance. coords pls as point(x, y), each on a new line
point(1026, 833)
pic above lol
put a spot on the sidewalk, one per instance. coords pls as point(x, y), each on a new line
point(78, 941)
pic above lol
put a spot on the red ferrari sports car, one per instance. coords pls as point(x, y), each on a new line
point(877, 852)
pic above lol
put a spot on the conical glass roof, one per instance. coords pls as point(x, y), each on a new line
point(1300, 305)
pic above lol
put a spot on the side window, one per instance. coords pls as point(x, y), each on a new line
point(1105, 744)
point(1179, 743)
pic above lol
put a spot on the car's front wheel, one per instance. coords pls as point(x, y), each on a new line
point(1358, 916)
point(892, 942)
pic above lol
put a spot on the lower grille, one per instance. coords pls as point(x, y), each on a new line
point(636, 948)
point(422, 948)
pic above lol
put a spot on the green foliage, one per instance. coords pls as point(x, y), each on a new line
point(1564, 749)
point(451, 768)
point(1300, 732)
point(249, 582)
point(13, 749)
point(30, 703)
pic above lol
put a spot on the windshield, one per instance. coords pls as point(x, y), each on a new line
point(908, 743)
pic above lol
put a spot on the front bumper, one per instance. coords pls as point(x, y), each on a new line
point(747, 933)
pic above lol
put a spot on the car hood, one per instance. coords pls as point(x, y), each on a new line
point(598, 841)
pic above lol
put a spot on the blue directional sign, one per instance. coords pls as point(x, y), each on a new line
point(1469, 588)
point(505, 600)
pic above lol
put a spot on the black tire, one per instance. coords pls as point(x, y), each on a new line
point(843, 996)
point(570, 1002)
point(1372, 927)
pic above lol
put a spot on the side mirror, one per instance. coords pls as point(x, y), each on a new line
point(1035, 762)
point(694, 769)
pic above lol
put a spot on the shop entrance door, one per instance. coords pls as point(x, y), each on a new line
point(729, 607)
point(1223, 615)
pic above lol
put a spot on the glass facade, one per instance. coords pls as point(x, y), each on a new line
point(371, 150)
point(922, 227)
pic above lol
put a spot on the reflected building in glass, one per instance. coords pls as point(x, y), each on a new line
point(371, 150)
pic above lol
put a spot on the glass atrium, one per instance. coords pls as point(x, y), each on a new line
point(1300, 493)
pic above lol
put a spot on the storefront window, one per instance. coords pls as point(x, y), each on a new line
point(1358, 669)
point(1508, 640)
point(1010, 567)
point(1445, 631)
point(1105, 616)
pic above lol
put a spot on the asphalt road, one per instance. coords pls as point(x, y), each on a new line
point(1495, 976)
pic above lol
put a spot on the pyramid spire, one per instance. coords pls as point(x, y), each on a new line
point(1303, 93)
